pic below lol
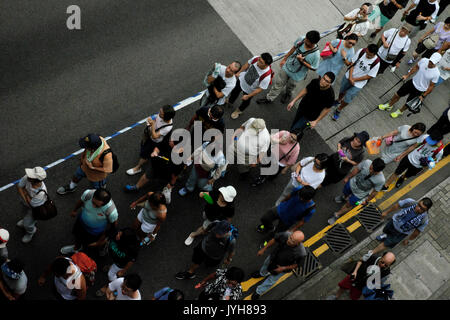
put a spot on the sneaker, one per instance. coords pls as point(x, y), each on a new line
point(333, 219)
point(27, 238)
point(367, 256)
point(100, 293)
point(167, 194)
point(411, 61)
point(255, 296)
point(384, 188)
point(20, 224)
point(68, 250)
point(131, 171)
point(331, 297)
point(256, 274)
point(262, 229)
point(258, 181)
point(263, 244)
point(183, 191)
point(263, 101)
point(399, 182)
point(336, 115)
point(339, 199)
point(189, 240)
point(393, 69)
point(373, 35)
point(285, 98)
point(65, 189)
point(381, 237)
point(384, 107)
point(184, 275)
point(235, 114)
point(131, 188)
point(396, 114)
point(336, 103)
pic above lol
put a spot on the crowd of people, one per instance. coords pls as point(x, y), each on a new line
point(96, 230)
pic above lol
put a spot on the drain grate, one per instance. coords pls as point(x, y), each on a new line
point(338, 238)
point(310, 265)
point(370, 217)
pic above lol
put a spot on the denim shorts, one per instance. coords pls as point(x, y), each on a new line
point(393, 236)
point(348, 192)
point(79, 174)
point(350, 91)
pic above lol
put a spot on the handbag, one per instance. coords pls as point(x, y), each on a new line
point(327, 52)
point(45, 211)
point(430, 41)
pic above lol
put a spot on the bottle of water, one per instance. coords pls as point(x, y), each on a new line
point(431, 163)
point(145, 242)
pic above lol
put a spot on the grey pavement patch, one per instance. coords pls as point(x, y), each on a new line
point(406, 285)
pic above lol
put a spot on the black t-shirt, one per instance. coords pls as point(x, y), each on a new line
point(121, 255)
point(207, 123)
point(284, 255)
point(391, 9)
point(315, 100)
point(216, 212)
point(361, 276)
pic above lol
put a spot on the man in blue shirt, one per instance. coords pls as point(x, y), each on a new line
point(411, 218)
point(296, 209)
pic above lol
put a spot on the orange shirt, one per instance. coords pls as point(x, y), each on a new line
point(107, 165)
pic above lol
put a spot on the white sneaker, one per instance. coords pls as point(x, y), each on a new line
point(189, 240)
point(131, 171)
point(367, 255)
point(167, 193)
point(68, 250)
point(27, 238)
point(393, 68)
point(236, 113)
point(20, 224)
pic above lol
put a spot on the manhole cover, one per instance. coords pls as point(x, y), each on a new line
point(310, 265)
point(370, 217)
point(338, 239)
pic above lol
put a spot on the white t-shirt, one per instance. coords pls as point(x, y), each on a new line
point(423, 151)
point(425, 75)
point(308, 175)
point(362, 27)
point(436, 3)
point(61, 285)
point(398, 44)
point(362, 68)
point(37, 199)
point(444, 63)
point(230, 83)
point(159, 122)
point(249, 79)
point(250, 143)
point(116, 285)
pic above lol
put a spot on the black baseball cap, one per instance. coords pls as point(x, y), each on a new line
point(91, 141)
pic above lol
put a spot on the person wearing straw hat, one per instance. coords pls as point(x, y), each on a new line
point(33, 192)
point(421, 85)
point(4, 238)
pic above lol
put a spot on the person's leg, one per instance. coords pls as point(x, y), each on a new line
point(299, 122)
point(29, 224)
point(235, 92)
point(287, 191)
point(143, 180)
point(192, 180)
point(268, 283)
point(268, 218)
point(244, 103)
point(383, 66)
point(279, 82)
point(71, 186)
point(202, 184)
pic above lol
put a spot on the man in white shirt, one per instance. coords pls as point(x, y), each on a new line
point(126, 288)
point(360, 17)
point(227, 73)
point(395, 45)
point(365, 65)
point(420, 85)
point(254, 77)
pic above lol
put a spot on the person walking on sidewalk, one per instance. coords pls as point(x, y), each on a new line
point(98, 214)
point(228, 74)
point(357, 280)
point(343, 51)
point(395, 44)
point(222, 208)
point(13, 280)
point(209, 165)
point(387, 10)
point(423, 11)
point(442, 125)
point(303, 56)
point(421, 85)
point(410, 219)
point(309, 171)
point(365, 65)
point(223, 284)
point(288, 255)
point(4, 238)
point(220, 241)
point(429, 146)
point(33, 192)
point(350, 152)
point(399, 143)
point(292, 213)
point(361, 185)
point(441, 31)
point(154, 134)
point(359, 19)
point(95, 164)
point(254, 77)
point(317, 100)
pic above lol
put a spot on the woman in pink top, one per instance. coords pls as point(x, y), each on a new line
point(281, 156)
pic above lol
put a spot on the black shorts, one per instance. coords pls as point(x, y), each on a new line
point(163, 169)
point(406, 165)
point(82, 236)
point(408, 88)
point(147, 148)
point(199, 256)
point(426, 52)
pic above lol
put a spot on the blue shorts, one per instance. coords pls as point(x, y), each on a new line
point(393, 236)
point(350, 91)
point(79, 174)
point(352, 199)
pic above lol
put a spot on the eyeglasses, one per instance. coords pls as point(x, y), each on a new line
point(327, 81)
point(352, 43)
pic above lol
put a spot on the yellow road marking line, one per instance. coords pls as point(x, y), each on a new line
point(320, 250)
point(250, 283)
point(354, 226)
point(284, 277)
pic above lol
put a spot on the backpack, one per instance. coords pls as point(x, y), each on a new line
point(87, 266)
point(45, 211)
point(266, 74)
point(384, 293)
point(114, 159)
point(361, 53)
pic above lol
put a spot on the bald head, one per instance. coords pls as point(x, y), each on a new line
point(387, 259)
point(296, 238)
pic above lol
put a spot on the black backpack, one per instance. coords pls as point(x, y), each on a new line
point(114, 158)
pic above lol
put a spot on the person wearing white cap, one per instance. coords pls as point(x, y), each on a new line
point(250, 146)
point(4, 237)
point(221, 208)
point(33, 192)
point(420, 85)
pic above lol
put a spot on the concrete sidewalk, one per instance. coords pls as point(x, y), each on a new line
point(422, 269)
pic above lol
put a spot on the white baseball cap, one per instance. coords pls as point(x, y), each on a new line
point(4, 237)
point(435, 58)
point(36, 173)
point(228, 193)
